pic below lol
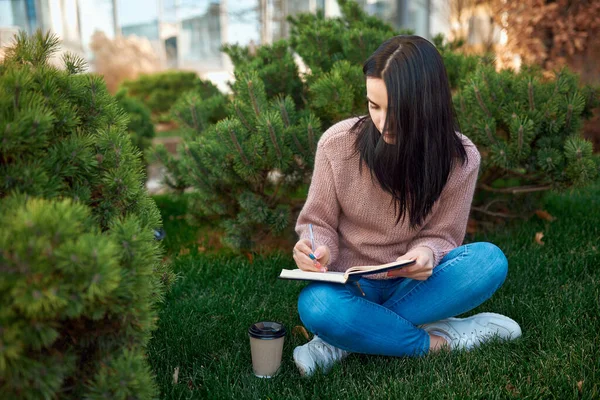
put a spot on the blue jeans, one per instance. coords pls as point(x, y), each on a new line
point(385, 320)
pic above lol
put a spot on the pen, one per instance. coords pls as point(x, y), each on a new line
point(312, 242)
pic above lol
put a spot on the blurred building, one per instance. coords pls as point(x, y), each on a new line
point(188, 34)
point(403, 14)
point(74, 21)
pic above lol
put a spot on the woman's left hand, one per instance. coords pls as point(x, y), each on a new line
point(421, 269)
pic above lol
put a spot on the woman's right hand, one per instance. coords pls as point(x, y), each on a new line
point(301, 251)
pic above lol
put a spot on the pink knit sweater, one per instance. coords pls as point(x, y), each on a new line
point(354, 216)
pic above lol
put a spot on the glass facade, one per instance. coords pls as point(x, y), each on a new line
point(200, 36)
point(20, 14)
point(402, 14)
point(149, 30)
point(95, 15)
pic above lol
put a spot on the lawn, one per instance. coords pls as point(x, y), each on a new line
point(552, 290)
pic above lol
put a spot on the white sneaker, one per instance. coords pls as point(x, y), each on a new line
point(317, 354)
point(467, 333)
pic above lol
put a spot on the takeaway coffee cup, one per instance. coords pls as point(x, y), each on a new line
point(266, 346)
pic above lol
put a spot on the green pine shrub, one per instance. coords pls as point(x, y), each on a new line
point(140, 126)
point(81, 272)
point(160, 91)
point(335, 49)
point(353, 37)
point(528, 130)
point(246, 168)
point(68, 330)
point(274, 65)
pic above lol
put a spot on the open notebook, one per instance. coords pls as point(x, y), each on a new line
point(352, 274)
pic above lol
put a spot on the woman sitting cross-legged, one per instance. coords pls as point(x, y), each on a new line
point(397, 184)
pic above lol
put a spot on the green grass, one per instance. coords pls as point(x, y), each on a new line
point(181, 236)
point(552, 290)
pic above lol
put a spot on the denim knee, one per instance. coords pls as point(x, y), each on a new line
point(316, 304)
point(492, 259)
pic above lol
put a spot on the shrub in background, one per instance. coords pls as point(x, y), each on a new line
point(140, 126)
point(274, 65)
point(160, 91)
point(81, 277)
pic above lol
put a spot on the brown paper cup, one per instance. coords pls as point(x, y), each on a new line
point(266, 346)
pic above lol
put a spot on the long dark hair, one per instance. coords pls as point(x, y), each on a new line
point(420, 114)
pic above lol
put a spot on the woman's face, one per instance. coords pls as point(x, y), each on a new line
point(377, 97)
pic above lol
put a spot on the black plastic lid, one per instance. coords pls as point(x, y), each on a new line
point(267, 330)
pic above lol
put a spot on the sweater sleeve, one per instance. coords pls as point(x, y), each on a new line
point(321, 207)
point(446, 229)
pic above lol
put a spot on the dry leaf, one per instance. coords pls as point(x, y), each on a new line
point(184, 251)
point(250, 257)
point(538, 238)
point(580, 386)
point(545, 215)
point(176, 375)
point(299, 329)
point(201, 249)
point(512, 389)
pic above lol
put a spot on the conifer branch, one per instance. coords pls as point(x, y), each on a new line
point(311, 139)
point(558, 76)
point(569, 114)
point(493, 213)
point(284, 114)
point(490, 136)
point(240, 116)
point(198, 161)
point(516, 189)
point(530, 91)
point(17, 93)
point(253, 99)
point(203, 182)
point(273, 196)
point(520, 138)
point(480, 101)
point(274, 139)
point(194, 117)
point(238, 147)
point(298, 144)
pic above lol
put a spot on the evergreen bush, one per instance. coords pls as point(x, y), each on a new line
point(246, 168)
point(274, 65)
point(81, 273)
point(528, 129)
point(160, 91)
